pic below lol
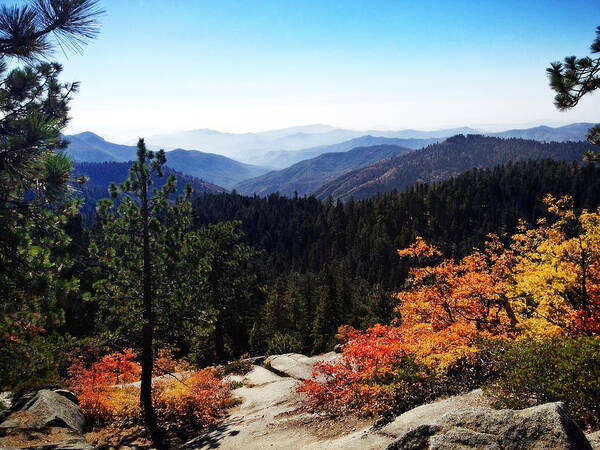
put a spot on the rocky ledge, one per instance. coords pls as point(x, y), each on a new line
point(270, 415)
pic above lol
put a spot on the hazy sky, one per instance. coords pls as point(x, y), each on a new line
point(161, 65)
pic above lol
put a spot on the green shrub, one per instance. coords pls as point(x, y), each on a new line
point(284, 343)
point(563, 369)
point(235, 385)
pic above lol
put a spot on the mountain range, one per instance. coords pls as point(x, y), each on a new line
point(306, 176)
point(258, 148)
point(572, 132)
point(253, 147)
point(301, 170)
point(217, 169)
point(443, 160)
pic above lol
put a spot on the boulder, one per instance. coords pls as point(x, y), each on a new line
point(291, 365)
point(259, 375)
point(594, 439)
point(5, 400)
point(430, 412)
point(331, 357)
point(546, 426)
point(44, 408)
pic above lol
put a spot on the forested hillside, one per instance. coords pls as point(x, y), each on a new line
point(306, 176)
point(441, 161)
point(333, 263)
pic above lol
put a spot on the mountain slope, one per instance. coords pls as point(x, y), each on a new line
point(90, 147)
point(573, 132)
point(217, 169)
point(306, 176)
point(101, 174)
point(285, 158)
point(443, 160)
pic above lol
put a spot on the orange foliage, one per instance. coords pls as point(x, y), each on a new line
point(199, 400)
point(546, 282)
point(349, 386)
point(192, 400)
point(94, 386)
point(452, 303)
point(166, 363)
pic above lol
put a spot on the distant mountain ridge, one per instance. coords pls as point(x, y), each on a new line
point(306, 176)
point(217, 169)
point(245, 146)
point(89, 147)
point(572, 132)
point(227, 172)
point(285, 158)
point(260, 147)
point(441, 161)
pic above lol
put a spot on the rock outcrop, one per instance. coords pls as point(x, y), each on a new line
point(547, 426)
point(44, 408)
point(594, 440)
point(291, 365)
point(295, 365)
point(271, 415)
point(43, 419)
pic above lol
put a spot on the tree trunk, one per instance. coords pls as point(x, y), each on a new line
point(148, 328)
point(219, 341)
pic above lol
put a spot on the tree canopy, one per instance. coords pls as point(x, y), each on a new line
point(575, 78)
point(34, 208)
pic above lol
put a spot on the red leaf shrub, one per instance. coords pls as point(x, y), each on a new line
point(192, 401)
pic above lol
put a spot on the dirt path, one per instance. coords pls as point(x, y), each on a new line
point(270, 416)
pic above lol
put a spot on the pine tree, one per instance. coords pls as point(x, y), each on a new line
point(574, 78)
point(226, 283)
point(133, 249)
point(34, 207)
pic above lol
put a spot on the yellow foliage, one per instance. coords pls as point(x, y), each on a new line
point(556, 282)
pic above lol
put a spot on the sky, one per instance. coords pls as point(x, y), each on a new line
point(250, 65)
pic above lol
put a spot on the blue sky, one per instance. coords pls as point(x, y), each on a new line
point(164, 65)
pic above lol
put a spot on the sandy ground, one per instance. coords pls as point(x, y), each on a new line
point(271, 416)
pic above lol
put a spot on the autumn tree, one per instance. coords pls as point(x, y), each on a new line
point(34, 204)
point(556, 287)
point(574, 78)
